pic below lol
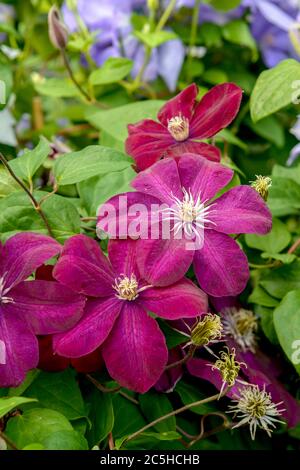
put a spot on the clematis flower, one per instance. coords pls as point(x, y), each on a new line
point(182, 123)
point(28, 308)
point(186, 188)
point(116, 318)
point(50, 362)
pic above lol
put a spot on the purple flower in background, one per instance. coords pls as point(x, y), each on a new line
point(115, 318)
point(111, 21)
point(7, 14)
point(295, 152)
point(28, 308)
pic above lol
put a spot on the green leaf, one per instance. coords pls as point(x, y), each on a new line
point(101, 415)
point(18, 215)
point(128, 417)
point(46, 427)
point(224, 5)
point(6, 77)
point(287, 326)
point(113, 70)
point(60, 392)
point(229, 137)
point(7, 184)
point(279, 171)
point(93, 160)
point(154, 405)
point(116, 120)
point(267, 323)
point(173, 337)
point(190, 394)
point(63, 217)
point(238, 32)
point(273, 90)
point(34, 446)
point(285, 258)
point(155, 39)
point(9, 403)
point(284, 197)
point(57, 88)
point(97, 190)
point(277, 239)
point(270, 129)
point(282, 280)
point(27, 164)
point(261, 297)
point(146, 436)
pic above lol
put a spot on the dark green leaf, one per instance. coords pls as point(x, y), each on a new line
point(154, 405)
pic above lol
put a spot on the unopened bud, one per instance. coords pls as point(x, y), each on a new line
point(58, 32)
point(207, 330)
point(262, 185)
point(153, 4)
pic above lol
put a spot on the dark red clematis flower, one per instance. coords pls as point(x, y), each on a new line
point(183, 122)
point(51, 362)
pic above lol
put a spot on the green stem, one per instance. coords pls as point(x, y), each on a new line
point(194, 26)
point(182, 361)
point(72, 77)
point(35, 203)
point(166, 15)
point(294, 247)
point(275, 264)
point(174, 413)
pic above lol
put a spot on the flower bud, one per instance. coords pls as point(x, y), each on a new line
point(58, 33)
point(262, 185)
point(153, 4)
point(206, 330)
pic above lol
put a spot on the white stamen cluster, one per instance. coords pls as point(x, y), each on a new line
point(179, 128)
point(241, 325)
point(126, 287)
point(256, 408)
point(189, 216)
point(3, 298)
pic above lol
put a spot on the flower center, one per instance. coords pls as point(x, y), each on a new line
point(228, 367)
point(126, 287)
point(188, 215)
point(3, 298)
point(241, 325)
point(179, 128)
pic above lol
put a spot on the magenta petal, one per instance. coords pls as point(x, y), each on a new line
point(202, 177)
point(47, 306)
point(181, 300)
point(216, 110)
point(135, 352)
point(92, 329)
point(203, 370)
point(19, 349)
point(221, 266)
point(23, 253)
point(201, 149)
point(118, 215)
point(163, 262)
point(181, 105)
point(241, 210)
point(289, 403)
point(161, 181)
point(122, 255)
point(168, 380)
point(87, 249)
point(147, 142)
